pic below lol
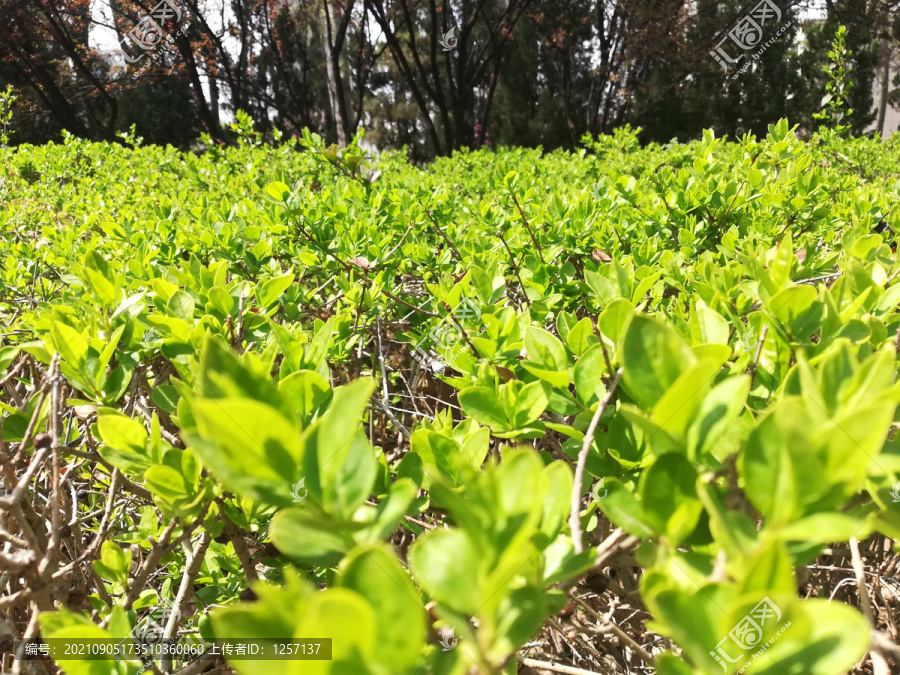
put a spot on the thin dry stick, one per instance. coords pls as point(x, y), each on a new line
point(585, 644)
point(200, 665)
point(614, 629)
point(21, 486)
point(385, 403)
point(239, 336)
point(399, 244)
point(897, 347)
point(615, 543)
point(425, 312)
point(23, 359)
point(574, 520)
point(55, 508)
point(390, 413)
point(865, 601)
point(762, 339)
point(29, 432)
point(881, 649)
point(554, 667)
point(525, 222)
point(194, 559)
point(446, 238)
point(150, 562)
point(599, 335)
point(133, 488)
point(100, 537)
point(240, 545)
point(461, 329)
point(515, 267)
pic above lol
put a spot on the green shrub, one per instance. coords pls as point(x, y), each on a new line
point(643, 393)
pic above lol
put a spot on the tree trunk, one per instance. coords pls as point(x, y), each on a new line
point(885, 86)
point(333, 76)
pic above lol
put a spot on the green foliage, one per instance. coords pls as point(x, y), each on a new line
point(239, 338)
point(7, 101)
point(835, 104)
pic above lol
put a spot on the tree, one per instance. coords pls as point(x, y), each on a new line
point(457, 83)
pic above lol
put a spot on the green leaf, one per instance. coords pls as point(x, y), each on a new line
point(669, 664)
point(222, 300)
point(354, 479)
point(483, 405)
point(351, 622)
point(778, 465)
point(120, 431)
point(166, 397)
point(691, 618)
point(836, 639)
point(521, 614)
point(222, 375)
point(678, 406)
point(269, 291)
point(561, 562)
point(7, 356)
point(768, 571)
point(716, 415)
point(175, 487)
point(613, 320)
point(181, 305)
point(581, 337)
point(588, 373)
point(114, 563)
point(707, 325)
point(100, 664)
point(441, 455)
point(669, 497)
point(101, 279)
point(603, 288)
point(310, 537)
point(70, 344)
point(450, 567)
point(548, 357)
point(557, 499)
point(653, 356)
point(278, 190)
point(249, 446)
point(624, 510)
point(338, 463)
point(275, 615)
point(791, 306)
point(390, 510)
point(125, 443)
point(530, 403)
point(377, 577)
point(305, 391)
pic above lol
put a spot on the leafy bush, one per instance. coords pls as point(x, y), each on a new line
point(626, 408)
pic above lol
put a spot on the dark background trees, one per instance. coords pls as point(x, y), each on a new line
point(435, 75)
